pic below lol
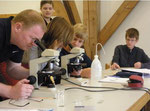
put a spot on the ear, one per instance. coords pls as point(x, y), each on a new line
point(18, 26)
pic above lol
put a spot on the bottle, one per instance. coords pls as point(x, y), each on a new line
point(96, 69)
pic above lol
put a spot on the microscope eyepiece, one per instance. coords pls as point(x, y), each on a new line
point(39, 44)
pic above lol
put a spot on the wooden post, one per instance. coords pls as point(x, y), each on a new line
point(72, 11)
point(91, 15)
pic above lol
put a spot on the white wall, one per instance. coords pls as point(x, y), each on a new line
point(79, 5)
point(16, 6)
point(107, 9)
point(138, 18)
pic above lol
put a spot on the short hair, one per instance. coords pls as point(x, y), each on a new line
point(29, 18)
point(132, 33)
point(58, 29)
point(80, 31)
point(46, 1)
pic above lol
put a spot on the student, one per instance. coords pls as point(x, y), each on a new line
point(59, 33)
point(80, 35)
point(129, 55)
point(18, 34)
point(47, 10)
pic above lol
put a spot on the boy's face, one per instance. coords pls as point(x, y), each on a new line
point(77, 42)
point(47, 10)
point(131, 42)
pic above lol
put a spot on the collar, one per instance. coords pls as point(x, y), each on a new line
point(129, 50)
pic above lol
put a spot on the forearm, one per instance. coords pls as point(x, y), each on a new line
point(146, 65)
point(18, 72)
point(5, 90)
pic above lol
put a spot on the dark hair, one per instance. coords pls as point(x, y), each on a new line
point(58, 29)
point(46, 1)
point(132, 33)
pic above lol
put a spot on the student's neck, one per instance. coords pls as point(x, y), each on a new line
point(47, 20)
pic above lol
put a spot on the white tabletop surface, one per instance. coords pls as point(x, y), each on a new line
point(119, 100)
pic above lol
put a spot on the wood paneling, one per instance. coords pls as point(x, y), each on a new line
point(72, 11)
point(60, 10)
point(91, 10)
point(6, 15)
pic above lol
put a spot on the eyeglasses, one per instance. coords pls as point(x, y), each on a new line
point(23, 102)
point(130, 40)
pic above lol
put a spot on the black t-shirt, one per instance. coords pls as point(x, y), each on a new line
point(8, 51)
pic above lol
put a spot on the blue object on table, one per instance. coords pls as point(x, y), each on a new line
point(127, 74)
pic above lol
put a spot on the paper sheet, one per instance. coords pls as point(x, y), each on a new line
point(115, 80)
point(146, 71)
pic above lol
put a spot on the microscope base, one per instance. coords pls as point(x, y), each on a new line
point(79, 81)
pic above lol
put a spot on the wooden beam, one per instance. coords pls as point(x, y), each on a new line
point(6, 15)
point(60, 10)
point(119, 16)
point(72, 11)
point(91, 15)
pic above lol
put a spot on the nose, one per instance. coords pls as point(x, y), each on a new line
point(33, 43)
point(76, 43)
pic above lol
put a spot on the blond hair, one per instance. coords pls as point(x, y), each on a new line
point(29, 18)
point(58, 29)
point(80, 31)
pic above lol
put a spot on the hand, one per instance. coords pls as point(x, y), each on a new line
point(137, 65)
point(76, 73)
point(21, 90)
point(115, 66)
point(86, 73)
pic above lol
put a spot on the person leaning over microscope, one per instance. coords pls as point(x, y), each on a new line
point(59, 33)
point(80, 35)
point(18, 34)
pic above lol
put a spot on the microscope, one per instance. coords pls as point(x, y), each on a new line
point(69, 66)
point(46, 76)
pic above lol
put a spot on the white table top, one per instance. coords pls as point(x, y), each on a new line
point(119, 100)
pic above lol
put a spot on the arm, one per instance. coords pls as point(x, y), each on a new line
point(86, 73)
point(86, 60)
point(145, 62)
point(116, 56)
point(16, 71)
point(115, 60)
point(20, 90)
point(146, 65)
point(115, 66)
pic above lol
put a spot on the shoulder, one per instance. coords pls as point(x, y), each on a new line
point(4, 21)
point(139, 49)
point(120, 46)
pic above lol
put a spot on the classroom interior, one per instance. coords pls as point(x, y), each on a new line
point(107, 21)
